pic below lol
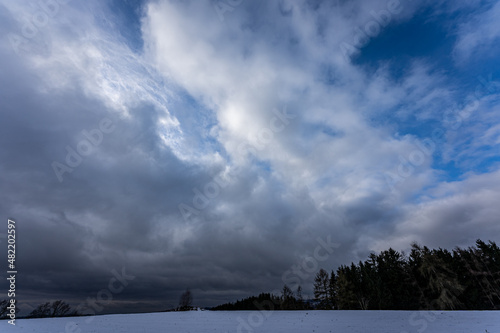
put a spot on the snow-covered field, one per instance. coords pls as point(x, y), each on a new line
point(275, 322)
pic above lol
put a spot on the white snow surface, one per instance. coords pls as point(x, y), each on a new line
point(270, 321)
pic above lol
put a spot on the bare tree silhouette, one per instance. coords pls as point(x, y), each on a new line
point(186, 301)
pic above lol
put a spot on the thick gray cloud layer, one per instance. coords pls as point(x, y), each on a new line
point(234, 105)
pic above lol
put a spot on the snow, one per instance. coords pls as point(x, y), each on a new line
point(271, 321)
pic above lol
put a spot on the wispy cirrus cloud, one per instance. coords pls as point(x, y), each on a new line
point(478, 35)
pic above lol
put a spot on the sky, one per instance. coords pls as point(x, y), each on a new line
point(233, 146)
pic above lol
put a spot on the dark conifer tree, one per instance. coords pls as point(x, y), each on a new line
point(346, 290)
point(332, 290)
point(321, 283)
point(288, 301)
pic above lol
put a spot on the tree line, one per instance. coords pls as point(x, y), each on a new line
point(288, 300)
point(463, 279)
point(438, 279)
point(46, 310)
